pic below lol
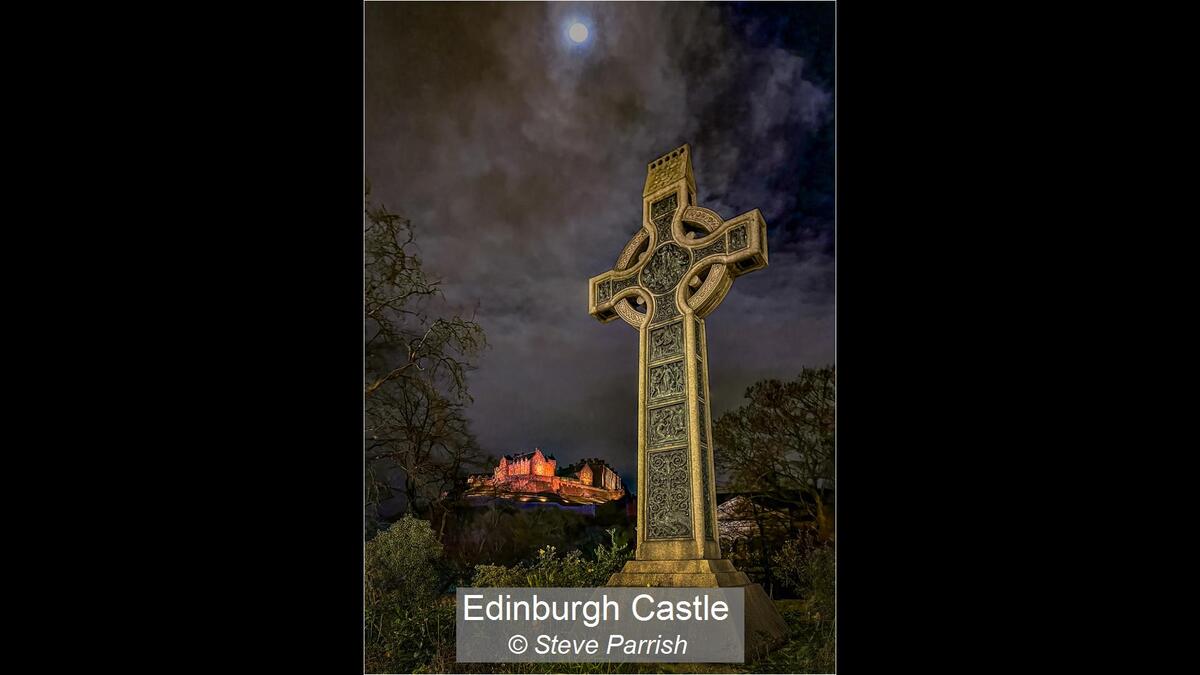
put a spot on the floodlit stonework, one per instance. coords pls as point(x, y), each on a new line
point(534, 475)
point(672, 274)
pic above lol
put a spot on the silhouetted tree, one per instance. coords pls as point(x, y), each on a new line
point(417, 437)
point(780, 445)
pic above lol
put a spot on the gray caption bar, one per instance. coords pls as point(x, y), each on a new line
point(600, 625)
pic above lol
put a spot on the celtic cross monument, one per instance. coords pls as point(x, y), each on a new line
point(673, 273)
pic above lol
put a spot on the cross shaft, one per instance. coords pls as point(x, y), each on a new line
point(672, 274)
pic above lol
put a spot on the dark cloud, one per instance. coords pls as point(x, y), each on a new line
point(520, 159)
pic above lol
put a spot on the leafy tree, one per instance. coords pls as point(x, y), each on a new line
point(780, 446)
point(781, 443)
point(417, 438)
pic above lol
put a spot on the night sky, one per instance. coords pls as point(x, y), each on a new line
point(520, 158)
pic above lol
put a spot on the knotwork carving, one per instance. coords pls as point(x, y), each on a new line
point(619, 285)
point(714, 248)
point(661, 214)
point(664, 207)
point(665, 308)
point(704, 217)
point(708, 525)
point(737, 238)
point(669, 504)
point(625, 260)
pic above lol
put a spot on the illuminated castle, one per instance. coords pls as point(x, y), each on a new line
point(533, 475)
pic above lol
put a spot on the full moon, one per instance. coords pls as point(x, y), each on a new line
point(578, 32)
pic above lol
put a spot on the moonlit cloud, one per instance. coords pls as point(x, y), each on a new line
point(520, 161)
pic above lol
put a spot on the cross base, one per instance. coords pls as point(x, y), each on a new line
point(765, 628)
point(679, 574)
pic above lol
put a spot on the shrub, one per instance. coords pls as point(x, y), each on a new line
point(809, 568)
point(550, 569)
point(406, 624)
point(404, 558)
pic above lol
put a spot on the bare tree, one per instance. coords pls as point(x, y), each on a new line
point(417, 435)
point(401, 334)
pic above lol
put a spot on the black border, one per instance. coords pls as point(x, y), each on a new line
point(923, 386)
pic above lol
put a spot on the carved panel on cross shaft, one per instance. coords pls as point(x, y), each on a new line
point(663, 226)
point(703, 423)
point(708, 525)
point(666, 381)
point(604, 290)
point(661, 214)
point(667, 425)
point(669, 503)
point(666, 341)
point(737, 238)
point(665, 308)
point(664, 207)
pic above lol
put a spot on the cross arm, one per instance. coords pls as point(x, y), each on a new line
point(732, 248)
point(740, 242)
point(607, 293)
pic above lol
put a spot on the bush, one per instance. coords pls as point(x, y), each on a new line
point(404, 558)
point(503, 534)
point(809, 568)
point(551, 570)
point(406, 624)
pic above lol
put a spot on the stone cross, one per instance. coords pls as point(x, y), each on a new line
point(673, 273)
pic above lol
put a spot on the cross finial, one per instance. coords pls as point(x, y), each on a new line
point(671, 168)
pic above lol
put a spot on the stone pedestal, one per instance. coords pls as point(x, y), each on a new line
point(765, 628)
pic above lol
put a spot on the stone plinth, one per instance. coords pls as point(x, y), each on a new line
point(686, 573)
point(765, 628)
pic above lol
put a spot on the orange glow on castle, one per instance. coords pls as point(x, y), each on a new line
point(590, 481)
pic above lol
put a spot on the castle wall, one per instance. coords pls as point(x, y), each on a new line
point(536, 465)
point(534, 474)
